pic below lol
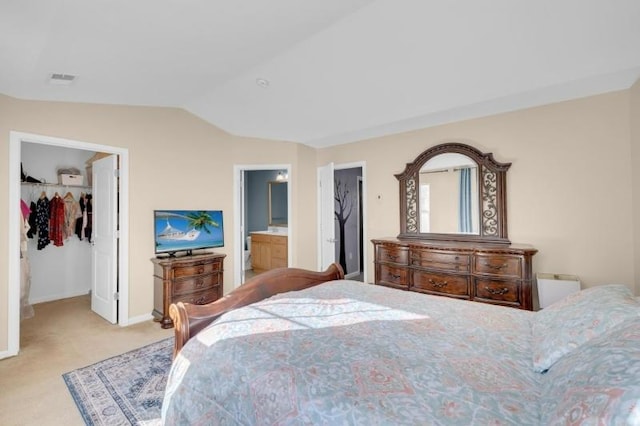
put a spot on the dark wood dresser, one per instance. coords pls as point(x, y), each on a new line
point(498, 274)
point(193, 279)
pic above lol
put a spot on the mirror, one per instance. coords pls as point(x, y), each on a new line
point(454, 192)
point(448, 195)
point(278, 206)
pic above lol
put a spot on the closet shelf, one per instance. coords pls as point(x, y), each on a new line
point(54, 185)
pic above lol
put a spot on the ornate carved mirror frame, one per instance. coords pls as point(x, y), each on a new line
point(492, 189)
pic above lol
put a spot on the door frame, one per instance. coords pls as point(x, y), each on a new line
point(363, 236)
point(13, 288)
point(238, 214)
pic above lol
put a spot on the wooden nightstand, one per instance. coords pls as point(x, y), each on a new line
point(193, 279)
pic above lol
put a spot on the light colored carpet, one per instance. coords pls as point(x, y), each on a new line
point(62, 336)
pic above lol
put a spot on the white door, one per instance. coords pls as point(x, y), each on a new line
point(104, 239)
point(326, 207)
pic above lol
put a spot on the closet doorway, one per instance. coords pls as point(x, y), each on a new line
point(118, 216)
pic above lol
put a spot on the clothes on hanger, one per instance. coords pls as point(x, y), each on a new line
point(42, 221)
point(56, 220)
point(71, 214)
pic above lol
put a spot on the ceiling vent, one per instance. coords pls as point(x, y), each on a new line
point(62, 79)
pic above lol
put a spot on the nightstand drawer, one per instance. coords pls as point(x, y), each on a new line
point(196, 269)
point(198, 298)
point(196, 283)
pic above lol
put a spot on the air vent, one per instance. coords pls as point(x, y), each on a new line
point(62, 79)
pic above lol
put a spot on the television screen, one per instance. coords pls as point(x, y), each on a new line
point(187, 230)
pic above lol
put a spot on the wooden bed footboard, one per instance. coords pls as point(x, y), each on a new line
point(189, 319)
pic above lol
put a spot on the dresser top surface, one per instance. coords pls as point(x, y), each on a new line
point(459, 246)
point(187, 258)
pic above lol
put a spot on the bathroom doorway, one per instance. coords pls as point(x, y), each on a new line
point(253, 186)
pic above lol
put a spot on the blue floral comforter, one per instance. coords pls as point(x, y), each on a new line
point(345, 352)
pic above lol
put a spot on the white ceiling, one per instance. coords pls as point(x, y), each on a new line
point(338, 70)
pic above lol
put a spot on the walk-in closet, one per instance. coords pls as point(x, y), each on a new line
point(56, 245)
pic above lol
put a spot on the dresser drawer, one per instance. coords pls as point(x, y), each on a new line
point(399, 255)
point(455, 285)
point(391, 276)
point(195, 283)
point(504, 291)
point(446, 261)
point(420, 257)
point(198, 298)
point(499, 266)
point(196, 269)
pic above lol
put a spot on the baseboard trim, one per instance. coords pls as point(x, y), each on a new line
point(7, 354)
point(53, 297)
point(139, 319)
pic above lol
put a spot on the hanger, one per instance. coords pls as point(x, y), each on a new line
point(69, 195)
point(43, 195)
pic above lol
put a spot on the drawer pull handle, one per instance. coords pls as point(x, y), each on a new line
point(201, 269)
point(200, 300)
point(495, 267)
point(392, 257)
point(437, 284)
point(394, 276)
point(199, 282)
point(497, 291)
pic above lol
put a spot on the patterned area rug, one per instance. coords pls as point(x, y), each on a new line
point(123, 390)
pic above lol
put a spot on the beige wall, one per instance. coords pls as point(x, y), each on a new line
point(635, 161)
point(176, 160)
point(569, 187)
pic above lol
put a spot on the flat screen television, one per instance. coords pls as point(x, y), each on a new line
point(187, 230)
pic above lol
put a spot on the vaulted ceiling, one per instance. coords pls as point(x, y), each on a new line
point(320, 72)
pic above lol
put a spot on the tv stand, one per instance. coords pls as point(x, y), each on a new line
point(195, 278)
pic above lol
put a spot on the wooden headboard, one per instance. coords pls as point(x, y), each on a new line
point(189, 319)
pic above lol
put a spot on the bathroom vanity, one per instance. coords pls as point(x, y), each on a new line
point(269, 250)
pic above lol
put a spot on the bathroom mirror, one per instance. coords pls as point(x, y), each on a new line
point(278, 206)
point(454, 192)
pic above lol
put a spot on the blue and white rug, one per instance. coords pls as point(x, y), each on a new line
point(123, 390)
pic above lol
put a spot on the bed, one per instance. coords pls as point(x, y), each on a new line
point(301, 347)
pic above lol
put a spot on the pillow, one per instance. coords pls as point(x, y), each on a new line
point(598, 384)
point(578, 318)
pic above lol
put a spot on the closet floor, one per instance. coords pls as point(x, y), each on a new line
point(62, 336)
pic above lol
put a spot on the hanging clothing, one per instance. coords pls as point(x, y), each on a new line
point(42, 222)
point(33, 228)
point(26, 310)
point(24, 208)
point(81, 222)
point(71, 214)
point(56, 221)
point(89, 218)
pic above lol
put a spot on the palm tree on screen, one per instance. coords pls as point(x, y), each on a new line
point(201, 221)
